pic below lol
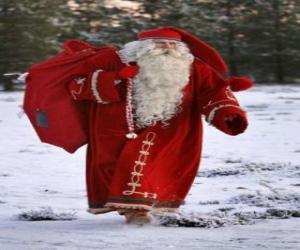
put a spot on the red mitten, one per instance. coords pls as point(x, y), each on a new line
point(128, 72)
point(239, 83)
point(230, 120)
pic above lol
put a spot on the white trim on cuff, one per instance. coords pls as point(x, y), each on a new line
point(212, 113)
point(94, 86)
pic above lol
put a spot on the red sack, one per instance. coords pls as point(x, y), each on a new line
point(57, 118)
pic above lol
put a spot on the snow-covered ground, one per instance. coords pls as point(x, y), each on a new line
point(246, 195)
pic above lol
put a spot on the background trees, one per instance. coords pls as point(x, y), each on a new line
point(257, 38)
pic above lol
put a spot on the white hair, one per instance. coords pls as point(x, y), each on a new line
point(157, 88)
point(133, 50)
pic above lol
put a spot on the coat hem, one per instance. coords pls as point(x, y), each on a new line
point(128, 206)
point(139, 203)
point(99, 210)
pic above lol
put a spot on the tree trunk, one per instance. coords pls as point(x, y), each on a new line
point(7, 83)
point(280, 74)
point(231, 40)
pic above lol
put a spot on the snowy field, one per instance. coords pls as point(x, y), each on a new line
point(246, 195)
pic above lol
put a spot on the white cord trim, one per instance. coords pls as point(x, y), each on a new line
point(210, 103)
point(138, 168)
point(212, 113)
point(94, 86)
point(229, 97)
point(129, 113)
point(79, 81)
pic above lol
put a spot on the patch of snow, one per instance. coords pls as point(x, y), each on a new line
point(246, 194)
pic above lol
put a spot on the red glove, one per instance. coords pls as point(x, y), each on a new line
point(128, 72)
point(231, 120)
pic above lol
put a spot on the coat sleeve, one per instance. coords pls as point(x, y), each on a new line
point(217, 102)
point(99, 86)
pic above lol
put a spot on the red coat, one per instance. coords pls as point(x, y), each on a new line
point(157, 168)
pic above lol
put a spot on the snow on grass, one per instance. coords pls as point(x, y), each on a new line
point(246, 185)
point(45, 214)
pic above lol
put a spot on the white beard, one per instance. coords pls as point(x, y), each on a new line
point(157, 88)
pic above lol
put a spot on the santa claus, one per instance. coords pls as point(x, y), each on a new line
point(145, 120)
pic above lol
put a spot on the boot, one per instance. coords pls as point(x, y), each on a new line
point(137, 217)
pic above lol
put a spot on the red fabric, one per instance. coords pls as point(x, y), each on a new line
point(222, 105)
point(106, 86)
point(47, 98)
point(161, 33)
point(80, 87)
point(128, 72)
point(239, 83)
point(157, 168)
point(237, 126)
point(203, 51)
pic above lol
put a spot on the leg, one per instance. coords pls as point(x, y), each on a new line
point(136, 216)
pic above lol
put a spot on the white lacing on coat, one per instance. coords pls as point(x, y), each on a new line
point(138, 168)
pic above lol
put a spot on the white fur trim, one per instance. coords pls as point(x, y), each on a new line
point(212, 113)
point(94, 86)
point(99, 210)
point(125, 205)
point(160, 37)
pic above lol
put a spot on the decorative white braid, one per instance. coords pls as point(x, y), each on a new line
point(212, 113)
point(129, 115)
point(138, 168)
point(229, 95)
point(94, 86)
point(210, 103)
point(80, 82)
